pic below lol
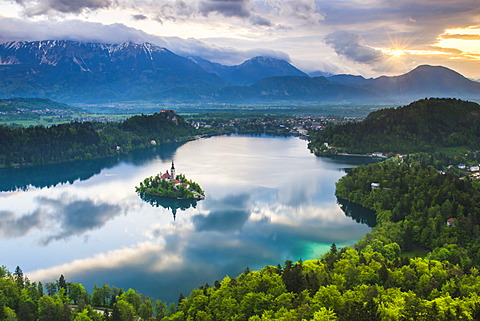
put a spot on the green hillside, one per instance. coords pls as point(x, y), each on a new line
point(76, 141)
point(423, 126)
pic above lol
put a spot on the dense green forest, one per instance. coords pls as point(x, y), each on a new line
point(156, 186)
point(75, 141)
point(23, 300)
point(373, 283)
point(417, 206)
point(423, 126)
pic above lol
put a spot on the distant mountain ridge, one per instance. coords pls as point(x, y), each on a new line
point(88, 57)
point(71, 72)
point(424, 80)
point(250, 71)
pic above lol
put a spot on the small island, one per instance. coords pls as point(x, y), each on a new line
point(170, 185)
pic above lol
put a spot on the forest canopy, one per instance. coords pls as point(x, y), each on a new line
point(423, 126)
point(77, 141)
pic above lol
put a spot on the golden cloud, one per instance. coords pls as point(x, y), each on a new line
point(461, 37)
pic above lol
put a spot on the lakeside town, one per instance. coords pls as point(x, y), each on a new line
point(279, 125)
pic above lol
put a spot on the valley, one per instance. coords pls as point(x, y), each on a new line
point(361, 230)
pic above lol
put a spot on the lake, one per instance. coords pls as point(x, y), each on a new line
point(268, 199)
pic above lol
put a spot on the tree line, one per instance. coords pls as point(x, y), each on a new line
point(372, 283)
point(23, 300)
point(422, 126)
point(77, 141)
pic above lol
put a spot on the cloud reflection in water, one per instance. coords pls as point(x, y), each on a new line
point(61, 218)
point(226, 215)
point(268, 200)
point(208, 245)
point(13, 227)
point(78, 217)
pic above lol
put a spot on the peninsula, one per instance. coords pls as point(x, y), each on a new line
point(170, 185)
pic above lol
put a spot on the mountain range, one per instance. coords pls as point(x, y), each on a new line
point(250, 71)
point(75, 72)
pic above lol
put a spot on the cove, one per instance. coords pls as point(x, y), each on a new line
point(268, 199)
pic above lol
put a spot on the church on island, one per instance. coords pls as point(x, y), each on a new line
point(173, 177)
point(170, 185)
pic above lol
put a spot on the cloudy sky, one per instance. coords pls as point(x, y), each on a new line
point(368, 37)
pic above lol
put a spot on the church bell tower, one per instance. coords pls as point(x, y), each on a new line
point(172, 171)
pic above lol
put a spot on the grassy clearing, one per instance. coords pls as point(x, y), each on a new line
point(455, 151)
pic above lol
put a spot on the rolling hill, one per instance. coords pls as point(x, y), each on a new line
point(426, 125)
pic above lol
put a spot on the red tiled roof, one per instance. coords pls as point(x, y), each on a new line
point(165, 176)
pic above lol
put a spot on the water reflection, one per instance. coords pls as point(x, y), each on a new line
point(226, 215)
point(12, 179)
point(358, 213)
point(60, 218)
point(172, 204)
point(269, 200)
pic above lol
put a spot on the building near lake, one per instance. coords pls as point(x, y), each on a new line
point(170, 176)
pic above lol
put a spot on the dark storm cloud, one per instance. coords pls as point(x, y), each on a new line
point(227, 8)
point(183, 11)
point(174, 10)
point(352, 46)
point(12, 226)
point(41, 7)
